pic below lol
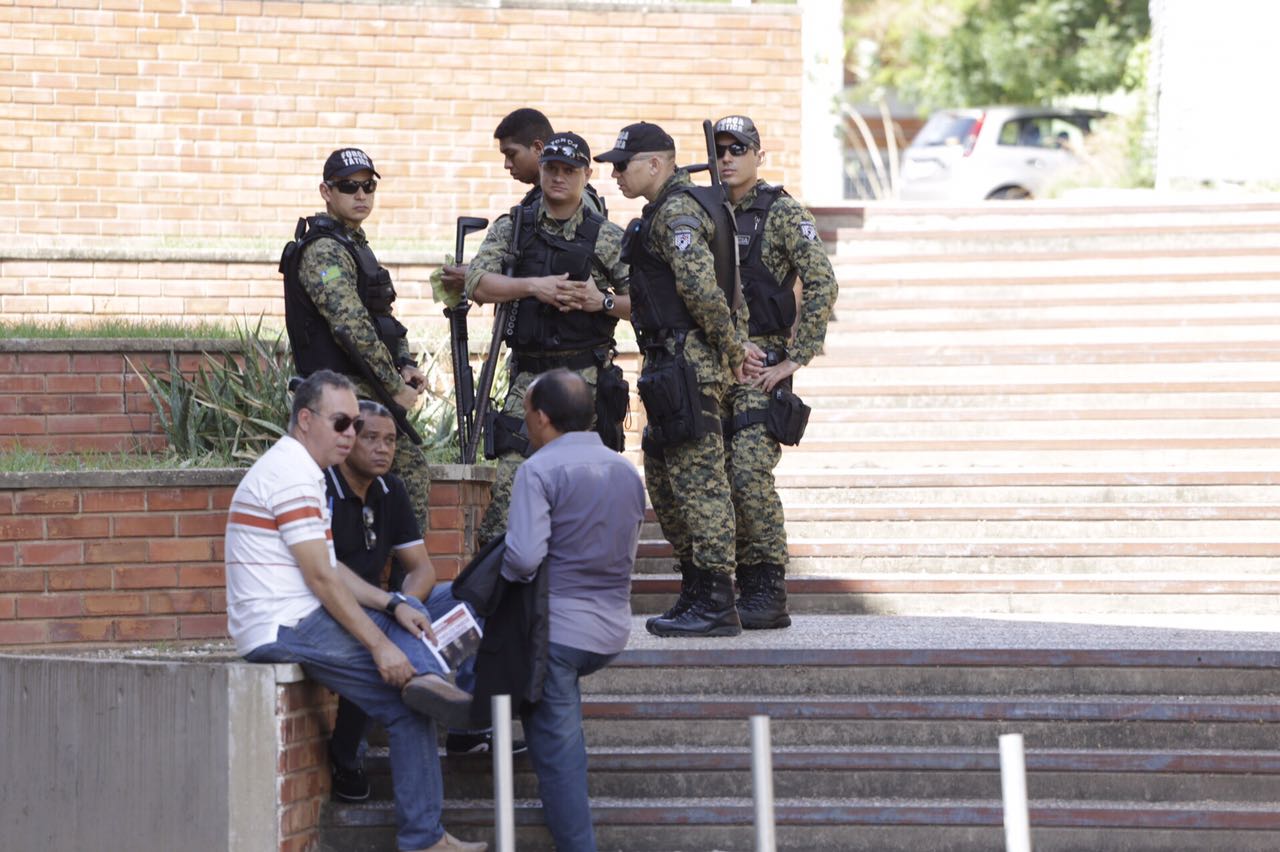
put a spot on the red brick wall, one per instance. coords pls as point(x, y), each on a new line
point(304, 712)
point(82, 395)
point(137, 557)
point(132, 121)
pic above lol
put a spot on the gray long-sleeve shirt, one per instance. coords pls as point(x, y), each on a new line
point(579, 504)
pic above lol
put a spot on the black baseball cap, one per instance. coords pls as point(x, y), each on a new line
point(639, 138)
point(741, 128)
point(347, 161)
point(567, 148)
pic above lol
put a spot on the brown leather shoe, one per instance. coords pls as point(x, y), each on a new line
point(449, 843)
point(432, 695)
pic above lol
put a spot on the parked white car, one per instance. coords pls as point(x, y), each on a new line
point(992, 152)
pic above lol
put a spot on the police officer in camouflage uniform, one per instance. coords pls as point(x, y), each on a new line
point(338, 306)
point(569, 289)
point(521, 135)
point(777, 243)
point(694, 348)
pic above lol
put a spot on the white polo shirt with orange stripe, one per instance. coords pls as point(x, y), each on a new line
point(280, 502)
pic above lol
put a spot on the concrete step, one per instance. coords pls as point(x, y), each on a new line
point(1118, 265)
point(1068, 240)
point(1098, 331)
point(1052, 216)
point(883, 773)
point(854, 294)
point(1191, 430)
point(851, 825)
point(1257, 350)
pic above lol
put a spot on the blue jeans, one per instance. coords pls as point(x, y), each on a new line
point(333, 657)
point(351, 726)
point(558, 749)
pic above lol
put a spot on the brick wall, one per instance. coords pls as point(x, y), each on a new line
point(136, 557)
point(190, 121)
point(304, 713)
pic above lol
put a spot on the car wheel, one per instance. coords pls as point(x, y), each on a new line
point(1009, 193)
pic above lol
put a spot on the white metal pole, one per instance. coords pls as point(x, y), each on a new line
point(1013, 784)
point(762, 782)
point(504, 816)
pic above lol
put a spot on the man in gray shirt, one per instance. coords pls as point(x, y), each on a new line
point(579, 505)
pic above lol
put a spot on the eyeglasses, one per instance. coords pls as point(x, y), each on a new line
point(370, 537)
point(737, 149)
point(343, 422)
point(349, 187)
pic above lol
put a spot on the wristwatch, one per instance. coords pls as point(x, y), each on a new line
point(394, 601)
point(608, 302)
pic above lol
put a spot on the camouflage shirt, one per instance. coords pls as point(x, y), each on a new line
point(608, 249)
point(681, 235)
point(327, 272)
point(791, 242)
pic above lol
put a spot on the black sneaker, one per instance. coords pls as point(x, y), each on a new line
point(349, 785)
point(477, 744)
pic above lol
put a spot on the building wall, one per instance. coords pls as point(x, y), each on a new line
point(204, 122)
point(1208, 60)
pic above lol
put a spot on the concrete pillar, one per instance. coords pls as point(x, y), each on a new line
point(822, 43)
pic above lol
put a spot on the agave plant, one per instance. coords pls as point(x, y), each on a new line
point(233, 408)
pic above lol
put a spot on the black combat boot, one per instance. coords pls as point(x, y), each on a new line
point(762, 601)
point(688, 578)
point(710, 613)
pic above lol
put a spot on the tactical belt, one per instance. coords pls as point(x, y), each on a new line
point(523, 363)
point(744, 419)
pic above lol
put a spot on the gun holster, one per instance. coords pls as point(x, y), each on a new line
point(504, 433)
point(613, 396)
point(677, 409)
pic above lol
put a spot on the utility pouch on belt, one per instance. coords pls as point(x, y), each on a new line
point(504, 433)
point(676, 409)
point(612, 398)
point(786, 417)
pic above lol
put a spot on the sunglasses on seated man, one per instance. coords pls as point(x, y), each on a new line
point(343, 422)
point(349, 187)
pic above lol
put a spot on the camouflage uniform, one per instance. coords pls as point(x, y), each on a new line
point(328, 274)
point(687, 483)
point(490, 258)
point(790, 243)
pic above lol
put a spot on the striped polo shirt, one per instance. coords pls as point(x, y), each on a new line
point(280, 502)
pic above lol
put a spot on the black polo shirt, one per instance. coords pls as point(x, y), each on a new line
point(362, 547)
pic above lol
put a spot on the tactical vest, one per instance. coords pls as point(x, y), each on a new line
point(312, 341)
point(772, 303)
point(539, 326)
point(656, 306)
point(590, 197)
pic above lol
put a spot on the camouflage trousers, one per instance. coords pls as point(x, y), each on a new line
point(409, 463)
point(689, 490)
point(494, 522)
point(750, 458)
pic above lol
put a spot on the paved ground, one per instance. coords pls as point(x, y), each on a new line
point(1195, 633)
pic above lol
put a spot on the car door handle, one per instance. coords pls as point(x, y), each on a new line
point(1036, 162)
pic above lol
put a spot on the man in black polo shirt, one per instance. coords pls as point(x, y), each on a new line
point(372, 519)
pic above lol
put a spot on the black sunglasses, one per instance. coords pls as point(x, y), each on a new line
point(370, 537)
point(343, 422)
point(737, 149)
point(349, 187)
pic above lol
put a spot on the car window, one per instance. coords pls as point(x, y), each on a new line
point(945, 128)
point(1065, 134)
point(1031, 132)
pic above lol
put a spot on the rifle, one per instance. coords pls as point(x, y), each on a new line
point(463, 393)
point(501, 313)
point(379, 389)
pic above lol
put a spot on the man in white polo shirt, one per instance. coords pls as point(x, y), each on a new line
point(290, 601)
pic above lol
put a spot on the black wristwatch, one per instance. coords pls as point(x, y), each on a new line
point(608, 302)
point(394, 601)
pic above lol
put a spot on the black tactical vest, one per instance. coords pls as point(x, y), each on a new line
point(771, 302)
point(656, 306)
point(539, 326)
point(312, 341)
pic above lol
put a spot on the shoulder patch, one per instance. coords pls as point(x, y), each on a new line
point(682, 239)
point(808, 231)
point(330, 272)
point(684, 220)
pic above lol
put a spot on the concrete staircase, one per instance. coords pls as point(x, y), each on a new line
point(1028, 415)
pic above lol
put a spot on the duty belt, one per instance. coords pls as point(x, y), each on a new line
point(523, 363)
